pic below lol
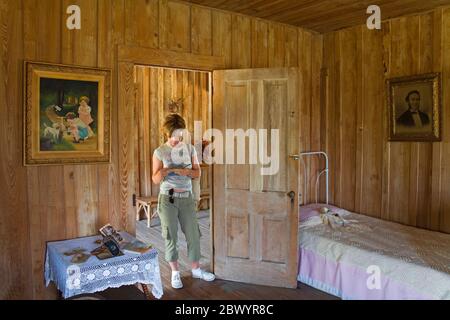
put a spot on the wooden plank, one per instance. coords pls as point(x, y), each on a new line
point(160, 108)
point(105, 58)
point(305, 107)
point(291, 44)
point(330, 147)
point(80, 48)
point(348, 120)
point(167, 89)
point(163, 26)
point(437, 155)
point(317, 163)
point(197, 97)
point(15, 261)
point(155, 130)
point(337, 124)
point(444, 219)
point(205, 112)
point(324, 85)
point(424, 155)
point(360, 112)
point(45, 45)
point(36, 252)
point(404, 31)
point(385, 198)
point(145, 151)
point(242, 42)
point(276, 45)
point(415, 164)
point(188, 95)
point(178, 26)
point(117, 30)
point(371, 172)
point(260, 45)
point(201, 31)
point(139, 75)
point(126, 123)
point(142, 23)
point(221, 40)
point(166, 58)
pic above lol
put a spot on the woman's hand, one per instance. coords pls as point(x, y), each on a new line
point(182, 172)
point(164, 172)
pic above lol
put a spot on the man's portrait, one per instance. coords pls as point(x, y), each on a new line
point(414, 108)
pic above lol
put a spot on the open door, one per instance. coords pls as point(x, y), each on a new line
point(255, 218)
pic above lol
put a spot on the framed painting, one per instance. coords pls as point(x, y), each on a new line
point(415, 108)
point(67, 114)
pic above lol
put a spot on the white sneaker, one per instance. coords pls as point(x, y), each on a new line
point(176, 280)
point(202, 274)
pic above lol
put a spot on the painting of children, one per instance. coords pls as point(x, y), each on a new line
point(68, 111)
point(67, 114)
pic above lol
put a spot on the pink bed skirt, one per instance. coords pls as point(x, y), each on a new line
point(349, 282)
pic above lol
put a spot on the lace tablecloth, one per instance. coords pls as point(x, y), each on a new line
point(96, 275)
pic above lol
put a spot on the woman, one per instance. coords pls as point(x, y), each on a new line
point(175, 164)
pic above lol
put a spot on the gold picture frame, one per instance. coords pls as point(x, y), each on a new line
point(66, 114)
point(414, 104)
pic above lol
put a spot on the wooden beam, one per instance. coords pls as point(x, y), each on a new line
point(166, 58)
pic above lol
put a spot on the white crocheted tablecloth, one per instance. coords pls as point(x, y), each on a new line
point(96, 275)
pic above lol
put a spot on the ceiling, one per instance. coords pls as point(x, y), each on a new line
point(321, 15)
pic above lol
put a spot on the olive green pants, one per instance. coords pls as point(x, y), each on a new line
point(182, 210)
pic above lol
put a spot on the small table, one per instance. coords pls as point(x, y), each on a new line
point(96, 275)
point(149, 204)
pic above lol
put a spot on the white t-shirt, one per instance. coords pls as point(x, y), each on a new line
point(179, 157)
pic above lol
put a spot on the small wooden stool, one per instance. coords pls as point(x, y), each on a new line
point(148, 204)
point(203, 196)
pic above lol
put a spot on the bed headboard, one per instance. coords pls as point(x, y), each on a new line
point(322, 172)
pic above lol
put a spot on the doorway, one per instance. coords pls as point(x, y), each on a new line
point(158, 92)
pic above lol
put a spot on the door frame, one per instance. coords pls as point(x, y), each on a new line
point(127, 145)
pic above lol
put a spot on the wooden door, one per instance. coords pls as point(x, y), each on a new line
point(255, 218)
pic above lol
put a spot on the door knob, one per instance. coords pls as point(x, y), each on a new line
point(294, 156)
point(291, 195)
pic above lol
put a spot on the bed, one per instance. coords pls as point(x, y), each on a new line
point(372, 259)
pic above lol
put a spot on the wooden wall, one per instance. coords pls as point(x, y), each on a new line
point(399, 181)
point(155, 89)
point(38, 204)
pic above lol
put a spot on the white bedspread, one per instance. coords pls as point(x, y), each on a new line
point(417, 258)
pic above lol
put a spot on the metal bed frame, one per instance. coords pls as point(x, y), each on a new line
point(324, 171)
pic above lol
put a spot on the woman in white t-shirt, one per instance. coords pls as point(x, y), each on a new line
point(175, 164)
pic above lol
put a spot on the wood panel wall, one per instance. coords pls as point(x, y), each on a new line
point(39, 204)
point(156, 88)
point(405, 182)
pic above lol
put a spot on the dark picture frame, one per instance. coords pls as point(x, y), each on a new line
point(414, 108)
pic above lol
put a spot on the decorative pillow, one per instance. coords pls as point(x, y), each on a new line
point(312, 210)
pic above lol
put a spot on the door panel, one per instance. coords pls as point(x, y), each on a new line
point(255, 219)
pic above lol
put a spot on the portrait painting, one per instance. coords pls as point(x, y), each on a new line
point(66, 114)
point(414, 108)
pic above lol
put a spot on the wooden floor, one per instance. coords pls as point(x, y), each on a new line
point(195, 289)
